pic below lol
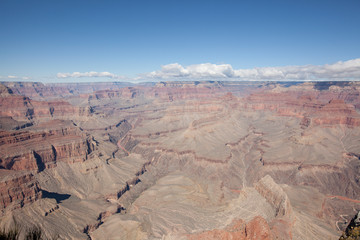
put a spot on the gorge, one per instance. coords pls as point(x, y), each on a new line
point(181, 160)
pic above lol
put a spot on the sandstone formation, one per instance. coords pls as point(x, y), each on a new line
point(257, 228)
point(39, 149)
point(23, 108)
point(16, 190)
point(275, 195)
point(306, 107)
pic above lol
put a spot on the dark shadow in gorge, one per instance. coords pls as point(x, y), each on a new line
point(57, 196)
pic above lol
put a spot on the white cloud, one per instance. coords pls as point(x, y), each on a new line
point(12, 78)
point(204, 70)
point(347, 70)
point(88, 74)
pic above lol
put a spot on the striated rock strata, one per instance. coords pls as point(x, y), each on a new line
point(275, 195)
point(37, 150)
point(17, 190)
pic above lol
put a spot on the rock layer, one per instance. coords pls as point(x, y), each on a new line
point(18, 190)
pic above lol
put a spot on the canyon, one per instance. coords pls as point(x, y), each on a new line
point(180, 159)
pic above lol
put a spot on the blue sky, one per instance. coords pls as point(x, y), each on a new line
point(43, 40)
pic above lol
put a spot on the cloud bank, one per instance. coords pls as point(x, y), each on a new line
point(347, 70)
point(342, 70)
point(89, 74)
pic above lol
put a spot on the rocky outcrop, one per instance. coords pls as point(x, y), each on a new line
point(35, 157)
point(59, 129)
point(337, 112)
point(37, 150)
point(101, 218)
point(352, 231)
point(125, 93)
point(16, 190)
point(256, 229)
point(275, 195)
point(5, 91)
point(23, 108)
point(58, 110)
point(305, 105)
point(17, 107)
point(31, 89)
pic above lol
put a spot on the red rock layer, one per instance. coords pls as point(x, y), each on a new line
point(256, 229)
point(17, 191)
point(275, 195)
point(58, 109)
point(17, 107)
point(337, 112)
point(37, 150)
point(305, 105)
point(36, 89)
point(22, 108)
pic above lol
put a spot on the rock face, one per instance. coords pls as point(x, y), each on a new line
point(275, 195)
point(22, 108)
point(307, 107)
point(257, 228)
point(29, 89)
point(337, 112)
point(18, 190)
point(37, 150)
point(17, 107)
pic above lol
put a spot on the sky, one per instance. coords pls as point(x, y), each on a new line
point(66, 41)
